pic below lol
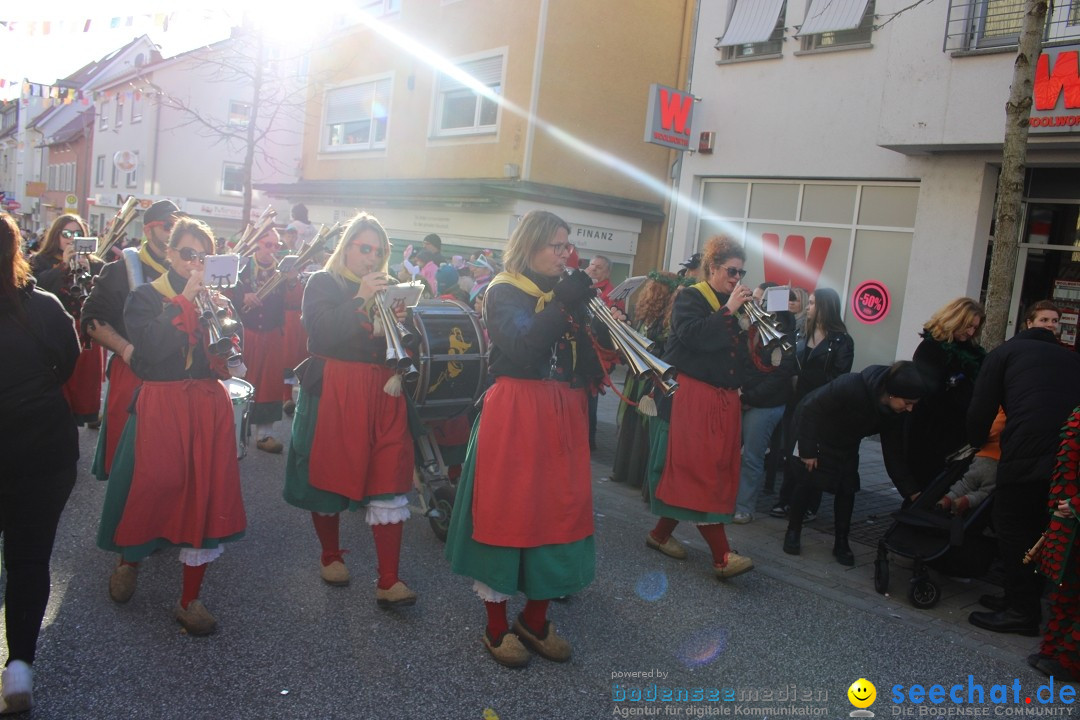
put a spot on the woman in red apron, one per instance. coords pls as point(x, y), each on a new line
point(351, 446)
point(522, 519)
point(175, 479)
point(694, 458)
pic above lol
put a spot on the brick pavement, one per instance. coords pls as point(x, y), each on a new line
point(815, 569)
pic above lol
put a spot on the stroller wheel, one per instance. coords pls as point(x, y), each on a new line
point(442, 501)
point(924, 594)
point(881, 573)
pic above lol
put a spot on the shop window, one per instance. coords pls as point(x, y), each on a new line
point(756, 29)
point(232, 179)
point(837, 23)
point(460, 109)
point(357, 116)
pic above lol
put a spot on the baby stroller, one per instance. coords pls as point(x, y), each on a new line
point(953, 545)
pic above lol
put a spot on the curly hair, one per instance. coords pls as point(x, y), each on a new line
point(953, 317)
point(654, 302)
point(719, 249)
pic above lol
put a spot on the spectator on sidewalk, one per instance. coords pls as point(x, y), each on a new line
point(830, 424)
point(1037, 382)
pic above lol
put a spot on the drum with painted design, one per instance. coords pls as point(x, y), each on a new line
point(452, 358)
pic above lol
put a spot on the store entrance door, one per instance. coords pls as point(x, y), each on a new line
point(1048, 266)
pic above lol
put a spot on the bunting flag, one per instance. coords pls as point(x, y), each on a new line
point(54, 26)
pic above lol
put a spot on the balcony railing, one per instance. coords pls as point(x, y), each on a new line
point(987, 24)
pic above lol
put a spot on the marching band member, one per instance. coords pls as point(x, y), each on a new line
point(59, 270)
point(295, 340)
point(523, 519)
point(103, 321)
point(351, 446)
point(264, 335)
point(695, 440)
point(175, 478)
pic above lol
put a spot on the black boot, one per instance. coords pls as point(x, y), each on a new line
point(793, 541)
point(842, 551)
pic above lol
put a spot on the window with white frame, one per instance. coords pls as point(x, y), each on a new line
point(232, 179)
point(119, 114)
point(357, 116)
point(131, 176)
point(462, 110)
point(755, 29)
point(99, 171)
point(115, 175)
point(239, 114)
point(979, 24)
point(103, 116)
point(837, 23)
point(136, 107)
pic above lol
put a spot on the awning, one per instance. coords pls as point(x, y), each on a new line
point(832, 15)
point(753, 21)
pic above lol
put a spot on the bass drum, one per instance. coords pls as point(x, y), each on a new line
point(452, 359)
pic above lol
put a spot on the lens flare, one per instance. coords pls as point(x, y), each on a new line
point(702, 649)
point(652, 586)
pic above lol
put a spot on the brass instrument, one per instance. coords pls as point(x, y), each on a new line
point(81, 279)
point(635, 348)
point(119, 224)
point(398, 337)
point(772, 335)
point(247, 243)
point(219, 326)
point(309, 253)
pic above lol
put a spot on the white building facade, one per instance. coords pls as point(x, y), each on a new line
point(865, 143)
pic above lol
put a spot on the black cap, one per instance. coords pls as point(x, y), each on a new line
point(160, 211)
point(434, 240)
point(693, 262)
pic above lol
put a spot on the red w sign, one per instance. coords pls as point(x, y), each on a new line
point(793, 264)
point(1049, 84)
point(670, 116)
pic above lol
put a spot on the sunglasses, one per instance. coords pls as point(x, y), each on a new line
point(733, 272)
point(188, 255)
point(368, 249)
point(69, 234)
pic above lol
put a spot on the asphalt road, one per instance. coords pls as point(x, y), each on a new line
point(289, 646)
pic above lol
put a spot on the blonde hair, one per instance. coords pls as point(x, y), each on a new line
point(531, 236)
point(360, 222)
point(953, 317)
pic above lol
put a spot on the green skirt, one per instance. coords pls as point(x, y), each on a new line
point(116, 495)
point(98, 468)
point(658, 439)
point(298, 490)
point(541, 573)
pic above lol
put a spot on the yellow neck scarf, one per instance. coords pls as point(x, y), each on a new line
point(525, 285)
point(163, 286)
point(349, 275)
point(706, 289)
point(148, 259)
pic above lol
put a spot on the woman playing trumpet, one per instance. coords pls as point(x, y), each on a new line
point(67, 275)
point(263, 318)
point(695, 440)
point(175, 479)
point(523, 518)
point(351, 446)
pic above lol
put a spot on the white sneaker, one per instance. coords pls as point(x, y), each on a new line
point(16, 688)
point(742, 518)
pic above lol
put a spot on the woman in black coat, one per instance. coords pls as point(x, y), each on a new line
point(40, 446)
point(830, 424)
point(949, 357)
point(824, 353)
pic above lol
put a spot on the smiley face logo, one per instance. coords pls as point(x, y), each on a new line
point(862, 693)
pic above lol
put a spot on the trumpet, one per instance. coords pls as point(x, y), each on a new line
point(768, 327)
point(635, 348)
point(397, 356)
point(119, 223)
point(246, 244)
point(219, 326)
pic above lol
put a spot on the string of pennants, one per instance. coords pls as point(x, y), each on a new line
point(52, 27)
point(67, 96)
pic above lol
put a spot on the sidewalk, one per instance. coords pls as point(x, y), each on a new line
point(815, 569)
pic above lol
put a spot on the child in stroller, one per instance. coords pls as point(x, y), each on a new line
point(981, 477)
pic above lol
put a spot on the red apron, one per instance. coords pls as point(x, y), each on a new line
point(362, 446)
point(533, 479)
point(701, 471)
point(83, 388)
point(122, 385)
point(186, 484)
point(265, 366)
